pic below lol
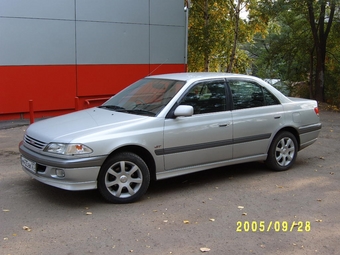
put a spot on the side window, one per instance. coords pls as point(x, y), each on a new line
point(206, 97)
point(248, 95)
point(269, 98)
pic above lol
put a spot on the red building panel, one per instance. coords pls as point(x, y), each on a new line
point(53, 88)
point(96, 80)
point(50, 87)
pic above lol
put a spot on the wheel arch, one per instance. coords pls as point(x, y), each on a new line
point(293, 131)
point(141, 152)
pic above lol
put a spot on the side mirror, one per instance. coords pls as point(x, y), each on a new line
point(184, 111)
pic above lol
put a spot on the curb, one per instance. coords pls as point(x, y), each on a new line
point(13, 123)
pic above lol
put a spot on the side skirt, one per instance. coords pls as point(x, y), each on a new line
point(192, 169)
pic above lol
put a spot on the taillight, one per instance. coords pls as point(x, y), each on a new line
point(316, 110)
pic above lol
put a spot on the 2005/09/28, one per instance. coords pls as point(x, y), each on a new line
point(277, 226)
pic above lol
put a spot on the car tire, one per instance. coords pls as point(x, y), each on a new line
point(282, 152)
point(123, 178)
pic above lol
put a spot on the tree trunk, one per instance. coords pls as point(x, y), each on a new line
point(319, 77)
point(320, 36)
point(206, 37)
point(311, 71)
point(233, 52)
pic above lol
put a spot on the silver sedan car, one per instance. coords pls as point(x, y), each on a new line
point(169, 125)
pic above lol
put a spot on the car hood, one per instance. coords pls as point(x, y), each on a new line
point(71, 126)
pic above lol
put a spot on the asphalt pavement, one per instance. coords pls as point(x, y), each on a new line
point(241, 209)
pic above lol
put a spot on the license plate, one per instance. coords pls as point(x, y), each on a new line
point(28, 164)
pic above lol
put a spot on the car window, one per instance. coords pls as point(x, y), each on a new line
point(247, 94)
point(206, 97)
point(145, 97)
point(269, 98)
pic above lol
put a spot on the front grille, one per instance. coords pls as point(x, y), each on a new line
point(34, 142)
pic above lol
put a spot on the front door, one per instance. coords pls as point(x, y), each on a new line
point(205, 138)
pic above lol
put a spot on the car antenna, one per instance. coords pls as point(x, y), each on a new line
point(166, 60)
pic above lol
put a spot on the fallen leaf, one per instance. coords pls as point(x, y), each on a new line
point(204, 249)
point(318, 220)
point(165, 221)
point(318, 200)
point(186, 221)
point(26, 228)
point(331, 173)
point(244, 214)
point(212, 219)
point(240, 207)
point(5, 210)
point(88, 213)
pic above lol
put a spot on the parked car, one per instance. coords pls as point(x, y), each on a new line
point(169, 125)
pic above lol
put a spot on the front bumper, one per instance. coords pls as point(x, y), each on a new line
point(79, 173)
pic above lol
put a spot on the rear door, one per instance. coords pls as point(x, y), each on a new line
point(257, 115)
point(205, 137)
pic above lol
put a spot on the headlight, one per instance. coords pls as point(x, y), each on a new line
point(68, 149)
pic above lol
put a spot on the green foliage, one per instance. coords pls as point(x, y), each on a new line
point(332, 79)
point(211, 35)
point(275, 41)
point(284, 52)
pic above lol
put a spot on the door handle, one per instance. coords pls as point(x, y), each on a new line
point(277, 117)
point(224, 124)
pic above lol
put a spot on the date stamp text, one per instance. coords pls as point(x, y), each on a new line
point(275, 226)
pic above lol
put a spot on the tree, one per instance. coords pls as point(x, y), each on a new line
point(235, 15)
point(216, 32)
point(297, 42)
point(206, 30)
point(320, 24)
point(293, 40)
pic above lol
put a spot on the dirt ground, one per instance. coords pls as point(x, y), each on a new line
point(242, 209)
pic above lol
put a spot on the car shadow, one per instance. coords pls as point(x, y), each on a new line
point(211, 177)
point(66, 198)
point(157, 189)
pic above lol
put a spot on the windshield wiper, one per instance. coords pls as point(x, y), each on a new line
point(122, 109)
point(114, 108)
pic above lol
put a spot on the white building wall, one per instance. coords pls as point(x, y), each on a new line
point(46, 32)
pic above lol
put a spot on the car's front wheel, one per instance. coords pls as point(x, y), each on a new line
point(123, 178)
point(282, 152)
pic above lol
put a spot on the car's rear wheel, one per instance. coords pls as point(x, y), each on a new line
point(282, 152)
point(123, 178)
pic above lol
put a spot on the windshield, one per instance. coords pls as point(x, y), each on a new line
point(144, 97)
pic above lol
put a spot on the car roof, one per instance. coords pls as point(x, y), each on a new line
point(197, 76)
